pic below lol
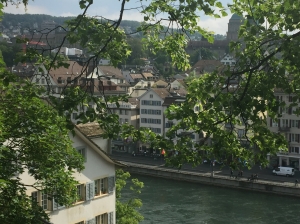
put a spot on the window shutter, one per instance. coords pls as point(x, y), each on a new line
point(56, 206)
point(90, 190)
point(290, 110)
point(290, 123)
point(91, 221)
point(111, 218)
point(270, 122)
point(298, 123)
point(278, 122)
point(290, 137)
point(111, 184)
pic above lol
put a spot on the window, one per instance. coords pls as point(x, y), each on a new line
point(151, 95)
point(80, 192)
point(101, 186)
point(121, 112)
point(35, 197)
point(101, 219)
point(74, 116)
point(82, 152)
point(37, 81)
point(273, 123)
point(126, 120)
point(292, 137)
point(294, 149)
point(169, 124)
point(43, 81)
point(45, 201)
point(241, 133)
point(156, 130)
point(284, 123)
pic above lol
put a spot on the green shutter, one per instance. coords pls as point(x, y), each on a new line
point(111, 184)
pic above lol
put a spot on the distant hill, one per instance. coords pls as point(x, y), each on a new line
point(28, 20)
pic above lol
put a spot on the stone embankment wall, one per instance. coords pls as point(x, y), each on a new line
point(217, 180)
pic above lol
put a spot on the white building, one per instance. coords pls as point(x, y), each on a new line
point(96, 189)
point(228, 60)
point(68, 51)
point(289, 126)
point(151, 110)
point(128, 112)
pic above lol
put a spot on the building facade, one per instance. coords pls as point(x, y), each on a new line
point(289, 126)
point(96, 201)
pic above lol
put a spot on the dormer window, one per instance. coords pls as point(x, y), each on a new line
point(151, 95)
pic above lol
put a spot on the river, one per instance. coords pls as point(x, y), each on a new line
point(175, 202)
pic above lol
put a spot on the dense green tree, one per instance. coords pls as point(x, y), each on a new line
point(34, 140)
point(201, 54)
point(127, 210)
point(137, 51)
point(9, 52)
point(267, 60)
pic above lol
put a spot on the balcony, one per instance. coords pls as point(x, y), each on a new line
point(284, 129)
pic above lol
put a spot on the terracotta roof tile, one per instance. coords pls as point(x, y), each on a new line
point(161, 83)
point(136, 76)
point(147, 74)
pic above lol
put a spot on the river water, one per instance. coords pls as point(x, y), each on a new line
point(176, 202)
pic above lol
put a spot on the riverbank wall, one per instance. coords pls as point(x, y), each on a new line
point(266, 186)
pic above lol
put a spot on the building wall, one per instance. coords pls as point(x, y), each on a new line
point(155, 97)
point(127, 76)
point(289, 126)
point(96, 167)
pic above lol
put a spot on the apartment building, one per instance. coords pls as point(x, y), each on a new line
point(128, 112)
point(96, 189)
point(289, 126)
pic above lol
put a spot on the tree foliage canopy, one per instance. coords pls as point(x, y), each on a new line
point(126, 210)
point(267, 61)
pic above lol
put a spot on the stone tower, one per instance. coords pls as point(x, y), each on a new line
point(233, 27)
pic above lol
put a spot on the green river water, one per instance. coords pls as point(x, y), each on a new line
point(176, 202)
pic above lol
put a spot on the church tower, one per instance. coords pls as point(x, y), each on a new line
point(233, 27)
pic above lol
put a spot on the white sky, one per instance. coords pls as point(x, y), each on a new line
point(106, 8)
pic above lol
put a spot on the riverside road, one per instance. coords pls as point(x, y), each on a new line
point(263, 174)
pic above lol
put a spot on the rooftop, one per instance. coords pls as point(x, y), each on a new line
point(90, 129)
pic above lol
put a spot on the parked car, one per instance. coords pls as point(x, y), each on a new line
point(284, 171)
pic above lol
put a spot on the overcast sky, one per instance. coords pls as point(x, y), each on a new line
point(106, 8)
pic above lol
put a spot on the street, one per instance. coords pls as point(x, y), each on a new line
point(263, 174)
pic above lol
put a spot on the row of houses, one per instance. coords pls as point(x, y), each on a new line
point(149, 98)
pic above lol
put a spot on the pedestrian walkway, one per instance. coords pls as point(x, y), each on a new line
point(264, 174)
